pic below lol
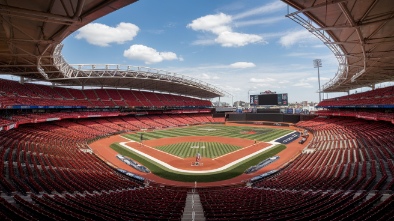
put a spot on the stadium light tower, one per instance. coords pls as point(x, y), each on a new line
point(317, 64)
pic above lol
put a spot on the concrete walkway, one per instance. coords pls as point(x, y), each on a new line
point(193, 209)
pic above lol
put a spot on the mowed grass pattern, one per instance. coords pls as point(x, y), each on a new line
point(260, 134)
point(206, 149)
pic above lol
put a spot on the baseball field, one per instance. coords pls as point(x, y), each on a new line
point(225, 152)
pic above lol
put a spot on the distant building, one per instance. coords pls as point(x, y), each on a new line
point(220, 104)
point(239, 104)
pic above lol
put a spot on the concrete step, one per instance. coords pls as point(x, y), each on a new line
point(193, 210)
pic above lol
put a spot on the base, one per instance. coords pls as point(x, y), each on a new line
point(197, 164)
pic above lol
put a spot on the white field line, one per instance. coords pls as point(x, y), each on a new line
point(133, 141)
point(271, 142)
point(232, 152)
point(166, 165)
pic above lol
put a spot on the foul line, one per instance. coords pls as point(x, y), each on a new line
point(233, 152)
point(133, 141)
point(271, 142)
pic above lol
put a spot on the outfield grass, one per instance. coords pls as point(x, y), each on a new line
point(260, 134)
point(228, 173)
point(206, 149)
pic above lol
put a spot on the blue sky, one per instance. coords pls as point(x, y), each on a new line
point(239, 46)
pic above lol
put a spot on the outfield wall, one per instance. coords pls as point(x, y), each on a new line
point(272, 117)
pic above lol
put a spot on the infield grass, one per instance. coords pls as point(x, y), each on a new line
point(252, 133)
point(206, 149)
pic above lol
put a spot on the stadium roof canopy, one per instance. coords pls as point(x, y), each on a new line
point(359, 33)
point(31, 34)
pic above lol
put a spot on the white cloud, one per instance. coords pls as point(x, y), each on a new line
point(269, 85)
point(234, 39)
point(213, 23)
point(310, 82)
point(242, 65)
point(268, 8)
point(319, 46)
point(204, 42)
point(262, 80)
point(297, 37)
point(220, 25)
point(259, 21)
point(231, 88)
point(208, 77)
point(168, 55)
point(148, 55)
point(299, 81)
point(303, 84)
point(315, 79)
point(301, 54)
point(273, 35)
point(103, 35)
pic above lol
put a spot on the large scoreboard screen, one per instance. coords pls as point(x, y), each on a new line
point(282, 99)
point(269, 99)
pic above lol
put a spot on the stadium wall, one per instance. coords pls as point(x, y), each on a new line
point(236, 117)
point(292, 118)
point(272, 117)
point(216, 115)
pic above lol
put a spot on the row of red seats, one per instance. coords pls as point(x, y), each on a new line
point(285, 204)
point(359, 114)
point(381, 96)
point(44, 158)
point(13, 93)
point(154, 121)
point(139, 204)
point(364, 165)
point(48, 156)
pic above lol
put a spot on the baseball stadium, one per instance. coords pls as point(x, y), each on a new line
point(122, 142)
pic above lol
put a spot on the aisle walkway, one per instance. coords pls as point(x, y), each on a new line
point(193, 209)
